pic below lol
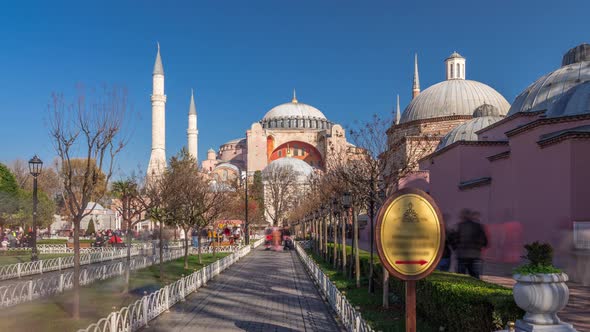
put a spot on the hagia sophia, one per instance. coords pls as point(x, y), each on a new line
point(522, 166)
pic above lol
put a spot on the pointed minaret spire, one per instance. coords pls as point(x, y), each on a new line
point(158, 68)
point(416, 85)
point(192, 132)
point(294, 100)
point(192, 109)
point(397, 112)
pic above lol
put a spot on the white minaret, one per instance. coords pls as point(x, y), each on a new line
point(192, 132)
point(157, 163)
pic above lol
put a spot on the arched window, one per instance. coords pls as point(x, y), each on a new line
point(452, 72)
point(280, 153)
point(295, 150)
point(224, 175)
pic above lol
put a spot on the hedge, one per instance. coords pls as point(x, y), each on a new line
point(456, 302)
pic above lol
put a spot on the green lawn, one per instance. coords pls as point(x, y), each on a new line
point(7, 260)
point(391, 319)
point(97, 300)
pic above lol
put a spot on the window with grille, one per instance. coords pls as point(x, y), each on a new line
point(582, 234)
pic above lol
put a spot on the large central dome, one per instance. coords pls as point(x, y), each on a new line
point(453, 97)
point(295, 115)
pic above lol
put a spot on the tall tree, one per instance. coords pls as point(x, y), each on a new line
point(89, 128)
point(9, 202)
point(279, 191)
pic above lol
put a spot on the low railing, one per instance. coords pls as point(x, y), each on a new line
point(24, 291)
point(351, 319)
point(138, 314)
point(55, 264)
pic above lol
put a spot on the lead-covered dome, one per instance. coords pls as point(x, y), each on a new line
point(295, 115)
point(300, 167)
point(453, 97)
point(561, 92)
point(483, 116)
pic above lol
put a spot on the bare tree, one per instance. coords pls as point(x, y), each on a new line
point(89, 129)
point(279, 191)
point(157, 189)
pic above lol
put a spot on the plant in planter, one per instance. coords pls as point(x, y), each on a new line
point(541, 291)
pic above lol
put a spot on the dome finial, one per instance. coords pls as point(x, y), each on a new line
point(294, 100)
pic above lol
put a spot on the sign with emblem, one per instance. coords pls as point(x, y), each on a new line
point(410, 236)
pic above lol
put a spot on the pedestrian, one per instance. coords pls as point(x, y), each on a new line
point(471, 239)
point(445, 260)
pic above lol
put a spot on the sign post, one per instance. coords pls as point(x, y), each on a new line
point(410, 237)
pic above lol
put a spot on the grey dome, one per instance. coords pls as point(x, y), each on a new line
point(467, 130)
point(549, 91)
point(300, 167)
point(453, 97)
point(292, 109)
point(486, 110)
point(237, 141)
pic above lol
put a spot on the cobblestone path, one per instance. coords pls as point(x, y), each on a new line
point(265, 291)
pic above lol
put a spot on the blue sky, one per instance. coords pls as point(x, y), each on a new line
point(347, 58)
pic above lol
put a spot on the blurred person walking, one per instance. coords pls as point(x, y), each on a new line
point(471, 239)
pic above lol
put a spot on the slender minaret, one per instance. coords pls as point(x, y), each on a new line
point(157, 163)
point(397, 112)
point(192, 132)
point(416, 85)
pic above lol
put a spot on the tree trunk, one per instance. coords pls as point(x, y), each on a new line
point(385, 288)
point(76, 278)
point(199, 245)
point(325, 238)
point(344, 222)
point(355, 240)
point(161, 249)
point(335, 241)
point(186, 236)
point(128, 265)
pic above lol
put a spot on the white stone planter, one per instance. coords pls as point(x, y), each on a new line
point(541, 296)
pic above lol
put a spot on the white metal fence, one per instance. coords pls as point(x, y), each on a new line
point(351, 319)
point(24, 291)
point(88, 256)
point(138, 314)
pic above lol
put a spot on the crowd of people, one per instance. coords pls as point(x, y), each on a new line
point(16, 239)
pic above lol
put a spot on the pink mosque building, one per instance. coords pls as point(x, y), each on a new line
point(528, 172)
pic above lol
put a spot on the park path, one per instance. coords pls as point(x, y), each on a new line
point(264, 291)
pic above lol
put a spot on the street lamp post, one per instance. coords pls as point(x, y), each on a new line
point(246, 224)
point(335, 231)
point(35, 167)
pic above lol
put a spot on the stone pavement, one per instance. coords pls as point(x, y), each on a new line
point(264, 291)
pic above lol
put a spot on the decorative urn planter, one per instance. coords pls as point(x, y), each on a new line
point(541, 296)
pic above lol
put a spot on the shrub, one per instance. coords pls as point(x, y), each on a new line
point(540, 257)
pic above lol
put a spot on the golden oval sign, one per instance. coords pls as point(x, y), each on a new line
point(410, 234)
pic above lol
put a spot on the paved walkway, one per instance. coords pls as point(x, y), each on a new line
point(264, 291)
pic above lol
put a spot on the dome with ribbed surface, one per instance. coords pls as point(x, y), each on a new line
point(486, 110)
point(453, 97)
point(553, 92)
point(300, 167)
point(467, 131)
point(296, 110)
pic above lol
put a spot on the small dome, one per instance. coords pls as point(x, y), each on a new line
point(467, 130)
point(211, 150)
point(453, 97)
point(548, 92)
point(295, 110)
point(237, 141)
point(486, 110)
point(300, 167)
point(455, 55)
